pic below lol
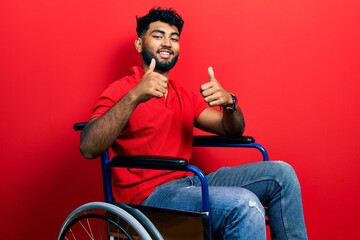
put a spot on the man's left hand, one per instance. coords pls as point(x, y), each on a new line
point(214, 94)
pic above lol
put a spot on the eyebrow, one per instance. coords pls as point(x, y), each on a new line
point(163, 32)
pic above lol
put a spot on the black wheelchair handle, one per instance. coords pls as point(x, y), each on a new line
point(214, 140)
point(150, 162)
point(79, 126)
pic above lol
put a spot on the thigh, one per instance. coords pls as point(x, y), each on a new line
point(261, 178)
point(185, 194)
point(234, 211)
point(179, 194)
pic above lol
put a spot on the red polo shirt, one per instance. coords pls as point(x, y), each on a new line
point(162, 127)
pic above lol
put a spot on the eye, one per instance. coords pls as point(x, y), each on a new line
point(174, 39)
point(157, 36)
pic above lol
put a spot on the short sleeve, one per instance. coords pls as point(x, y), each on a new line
point(199, 104)
point(107, 99)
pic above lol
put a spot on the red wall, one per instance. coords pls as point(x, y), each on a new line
point(293, 64)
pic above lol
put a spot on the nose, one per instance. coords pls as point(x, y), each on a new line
point(166, 42)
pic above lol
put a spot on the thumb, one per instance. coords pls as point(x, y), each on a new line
point(152, 65)
point(211, 74)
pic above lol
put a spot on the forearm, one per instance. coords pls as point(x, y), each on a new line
point(233, 123)
point(100, 133)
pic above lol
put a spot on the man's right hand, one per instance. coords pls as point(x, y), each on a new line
point(152, 84)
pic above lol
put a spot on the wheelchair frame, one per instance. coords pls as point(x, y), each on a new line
point(129, 213)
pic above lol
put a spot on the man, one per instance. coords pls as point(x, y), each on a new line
point(148, 113)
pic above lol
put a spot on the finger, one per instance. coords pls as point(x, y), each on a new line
point(205, 86)
point(212, 97)
point(214, 103)
point(161, 89)
point(158, 94)
point(211, 74)
point(208, 92)
point(162, 84)
point(152, 65)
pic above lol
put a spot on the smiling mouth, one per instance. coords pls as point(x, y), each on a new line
point(165, 53)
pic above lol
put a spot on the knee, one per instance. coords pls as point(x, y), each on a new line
point(252, 204)
point(247, 205)
point(287, 174)
point(246, 218)
point(236, 212)
point(236, 200)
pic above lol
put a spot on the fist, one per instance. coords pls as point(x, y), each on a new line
point(214, 94)
point(152, 84)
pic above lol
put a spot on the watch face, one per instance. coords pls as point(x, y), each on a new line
point(234, 99)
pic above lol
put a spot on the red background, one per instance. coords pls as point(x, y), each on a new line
point(293, 64)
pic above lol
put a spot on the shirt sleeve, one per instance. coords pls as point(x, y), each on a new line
point(116, 91)
point(107, 99)
point(200, 104)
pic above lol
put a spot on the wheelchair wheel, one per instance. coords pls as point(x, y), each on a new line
point(100, 221)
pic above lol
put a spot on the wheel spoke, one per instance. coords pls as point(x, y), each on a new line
point(87, 232)
point(110, 220)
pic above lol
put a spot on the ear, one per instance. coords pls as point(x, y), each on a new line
point(138, 45)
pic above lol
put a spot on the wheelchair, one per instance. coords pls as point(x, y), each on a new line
point(118, 221)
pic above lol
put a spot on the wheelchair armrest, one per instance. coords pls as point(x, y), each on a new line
point(150, 162)
point(220, 141)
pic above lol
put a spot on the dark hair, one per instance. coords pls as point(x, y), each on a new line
point(166, 15)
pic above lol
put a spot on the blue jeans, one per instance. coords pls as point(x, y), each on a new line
point(236, 198)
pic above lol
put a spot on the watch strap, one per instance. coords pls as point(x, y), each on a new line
point(232, 107)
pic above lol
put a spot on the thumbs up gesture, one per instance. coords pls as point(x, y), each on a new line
point(152, 84)
point(214, 94)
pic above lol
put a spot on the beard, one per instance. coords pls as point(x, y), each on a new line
point(165, 66)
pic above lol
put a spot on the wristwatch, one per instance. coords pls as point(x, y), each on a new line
point(232, 107)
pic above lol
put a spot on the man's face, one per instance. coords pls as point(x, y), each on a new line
point(161, 41)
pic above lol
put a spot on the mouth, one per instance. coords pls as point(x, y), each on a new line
point(165, 53)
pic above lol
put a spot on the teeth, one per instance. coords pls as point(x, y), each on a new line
point(164, 54)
